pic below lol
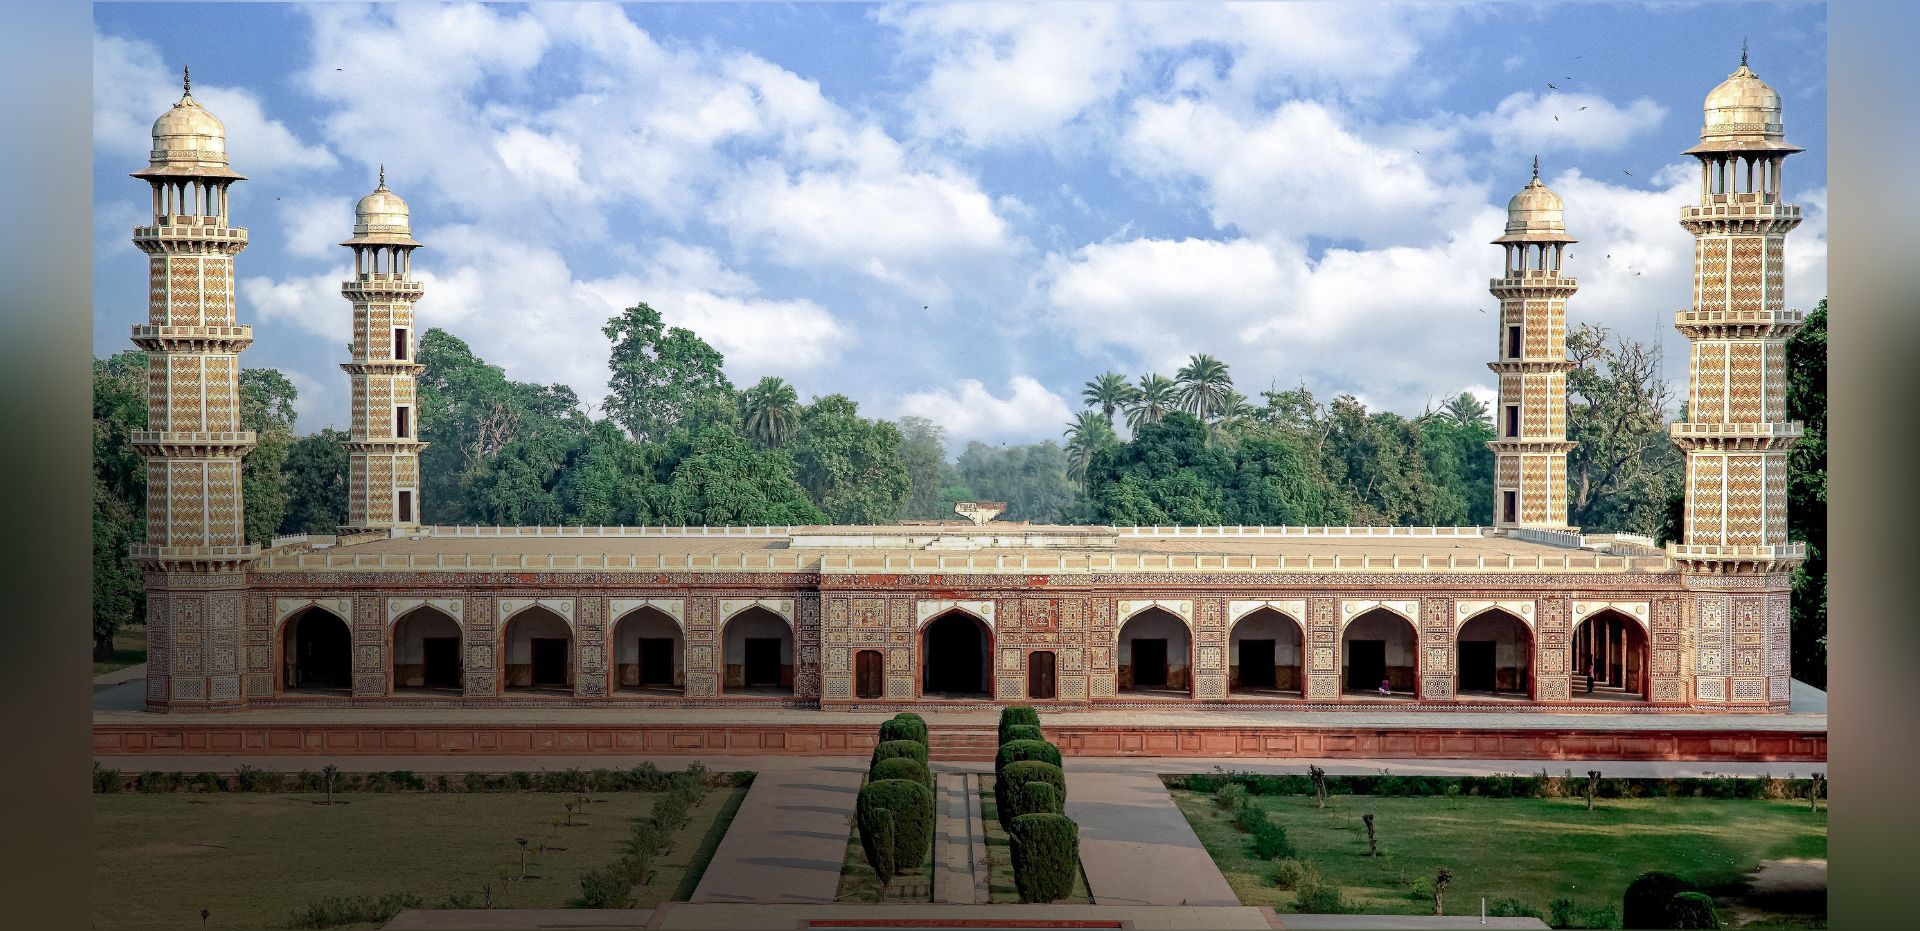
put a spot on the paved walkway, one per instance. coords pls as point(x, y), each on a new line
point(137, 671)
point(1135, 844)
point(789, 838)
point(954, 879)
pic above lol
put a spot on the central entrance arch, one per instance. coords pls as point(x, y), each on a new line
point(756, 654)
point(536, 653)
point(1613, 649)
point(1265, 656)
point(1493, 657)
point(1155, 656)
point(426, 653)
point(649, 654)
point(1376, 648)
point(956, 657)
point(316, 652)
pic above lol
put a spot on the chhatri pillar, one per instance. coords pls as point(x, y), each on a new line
point(1735, 554)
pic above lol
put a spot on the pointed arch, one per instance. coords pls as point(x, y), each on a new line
point(956, 655)
point(1380, 645)
point(1494, 655)
point(1612, 647)
point(426, 647)
point(536, 652)
point(1266, 654)
point(1153, 654)
point(757, 653)
point(647, 654)
point(315, 648)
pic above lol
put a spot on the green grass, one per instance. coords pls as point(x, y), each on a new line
point(1534, 850)
point(129, 649)
point(1000, 885)
point(253, 859)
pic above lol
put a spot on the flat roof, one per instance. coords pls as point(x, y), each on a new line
point(963, 547)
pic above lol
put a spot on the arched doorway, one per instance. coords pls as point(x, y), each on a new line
point(956, 653)
point(1493, 657)
point(649, 654)
point(757, 654)
point(536, 653)
point(426, 651)
point(316, 653)
point(1612, 647)
point(1155, 656)
point(1380, 647)
point(1265, 656)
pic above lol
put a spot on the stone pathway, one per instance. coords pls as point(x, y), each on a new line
point(789, 838)
point(1136, 846)
point(955, 835)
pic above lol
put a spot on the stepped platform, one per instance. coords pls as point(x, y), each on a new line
point(968, 735)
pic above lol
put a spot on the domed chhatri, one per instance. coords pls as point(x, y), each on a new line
point(382, 218)
point(1743, 114)
point(1536, 214)
point(188, 140)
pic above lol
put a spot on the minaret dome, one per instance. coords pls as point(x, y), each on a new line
point(189, 140)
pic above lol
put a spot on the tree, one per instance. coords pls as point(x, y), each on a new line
point(119, 495)
point(469, 413)
point(1168, 474)
point(1807, 495)
point(1381, 459)
point(772, 407)
point(659, 373)
point(1032, 479)
point(1204, 386)
point(923, 451)
point(316, 481)
point(119, 593)
point(1086, 434)
point(1624, 466)
point(851, 466)
point(266, 407)
point(724, 480)
point(1156, 396)
point(605, 479)
point(1110, 392)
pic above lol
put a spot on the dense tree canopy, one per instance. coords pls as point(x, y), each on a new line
point(1807, 494)
point(661, 375)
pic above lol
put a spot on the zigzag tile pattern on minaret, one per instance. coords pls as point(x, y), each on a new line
point(383, 445)
point(1735, 553)
point(1530, 416)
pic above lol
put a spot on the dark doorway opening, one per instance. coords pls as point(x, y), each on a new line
point(1040, 684)
point(1150, 662)
point(1256, 664)
point(549, 660)
point(868, 681)
point(1477, 666)
point(441, 658)
point(320, 652)
point(656, 660)
point(1366, 664)
point(953, 657)
point(761, 664)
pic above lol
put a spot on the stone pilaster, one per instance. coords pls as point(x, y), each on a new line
point(1323, 648)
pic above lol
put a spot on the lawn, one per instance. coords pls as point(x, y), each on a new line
point(1000, 885)
point(1534, 850)
point(129, 649)
point(252, 859)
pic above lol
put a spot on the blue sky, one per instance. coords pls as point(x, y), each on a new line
point(955, 211)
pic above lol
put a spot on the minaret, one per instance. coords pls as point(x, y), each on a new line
point(196, 552)
point(1736, 435)
point(383, 473)
point(1530, 420)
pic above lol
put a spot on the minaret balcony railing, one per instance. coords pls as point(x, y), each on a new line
point(201, 558)
point(187, 231)
point(188, 444)
point(383, 285)
point(192, 338)
point(1534, 280)
point(1770, 435)
point(1743, 553)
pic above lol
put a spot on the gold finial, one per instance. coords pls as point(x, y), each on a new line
point(1536, 168)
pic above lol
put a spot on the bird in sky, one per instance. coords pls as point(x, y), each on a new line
point(1553, 86)
point(1583, 108)
point(1626, 172)
point(1556, 117)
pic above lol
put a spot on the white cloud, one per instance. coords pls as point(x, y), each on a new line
point(132, 87)
point(1561, 120)
point(310, 302)
point(969, 411)
point(314, 225)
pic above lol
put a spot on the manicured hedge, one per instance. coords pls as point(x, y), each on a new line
point(1013, 751)
point(904, 729)
point(1691, 910)
point(1644, 905)
point(1023, 732)
point(1017, 714)
point(1009, 784)
point(1038, 798)
point(909, 804)
point(1537, 785)
point(901, 767)
point(643, 778)
point(1046, 856)
point(877, 842)
point(888, 749)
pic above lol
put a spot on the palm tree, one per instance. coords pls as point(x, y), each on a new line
point(1235, 414)
point(1109, 392)
point(1085, 434)
point(1156, 396)
point(1465, 409)
point(772, 409)
point(1204, 386)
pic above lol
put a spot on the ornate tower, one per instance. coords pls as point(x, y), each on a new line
point(1530, 420)
point(383, 476)
point(1736, 435)
point(196, 552)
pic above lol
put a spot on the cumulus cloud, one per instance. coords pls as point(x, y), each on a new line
point(132, 86)
point(969, 411)
point(1561, 121)
point(314, 225)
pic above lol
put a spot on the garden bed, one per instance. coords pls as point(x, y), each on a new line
point(1000, 884)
